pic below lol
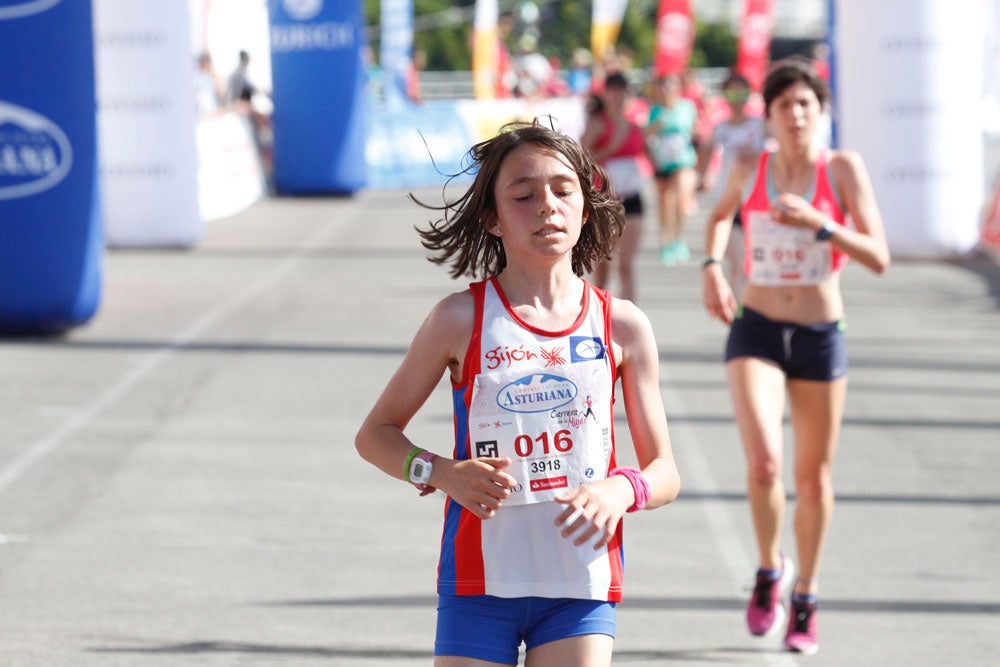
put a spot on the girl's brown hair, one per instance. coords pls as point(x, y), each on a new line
point(461, 238)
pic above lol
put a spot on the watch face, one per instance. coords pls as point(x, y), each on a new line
point(421, 471)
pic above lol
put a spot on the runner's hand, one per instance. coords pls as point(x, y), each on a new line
point(720, 302)
point(478, 485)
point(595, 509)
point(794, 211)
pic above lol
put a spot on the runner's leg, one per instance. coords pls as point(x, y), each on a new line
point(579, 651)
point(758, 393)
point(628, 248)
point(816, 410)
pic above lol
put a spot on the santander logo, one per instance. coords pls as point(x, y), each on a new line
point(15, 9)
point(35, 153)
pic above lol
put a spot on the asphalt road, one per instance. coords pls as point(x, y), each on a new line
point(179, 485)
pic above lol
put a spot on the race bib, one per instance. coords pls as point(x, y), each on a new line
point(553, 423)
point(784, 255)
point(625, 176)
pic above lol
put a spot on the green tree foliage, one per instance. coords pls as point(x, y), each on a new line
point(714, 46)
point(564, 27)
point(447, 47)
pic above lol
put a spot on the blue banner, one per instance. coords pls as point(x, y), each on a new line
point(411, 146)
point(318, 93)
point(50, 241)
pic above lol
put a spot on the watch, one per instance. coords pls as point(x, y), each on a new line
point(419, 472)
point(826, 231)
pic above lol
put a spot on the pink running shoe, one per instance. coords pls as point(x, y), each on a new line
point(766, 613)
point(802, 636)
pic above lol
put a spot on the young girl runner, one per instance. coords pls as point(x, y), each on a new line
point(532, 543)
point(787, 334)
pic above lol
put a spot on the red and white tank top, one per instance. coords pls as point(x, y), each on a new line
point(778, 254)
point(627, 167)
point(544, 399)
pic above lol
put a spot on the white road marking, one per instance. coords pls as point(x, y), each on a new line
point(737, 561)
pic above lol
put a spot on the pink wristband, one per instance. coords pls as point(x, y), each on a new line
point(639, 485)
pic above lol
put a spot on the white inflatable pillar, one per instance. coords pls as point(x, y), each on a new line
point(146, 123)
point(908, 91)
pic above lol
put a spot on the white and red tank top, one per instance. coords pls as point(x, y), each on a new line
point(778, 254)
point(544, 399)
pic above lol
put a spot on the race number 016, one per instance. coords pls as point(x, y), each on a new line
point(525, 446)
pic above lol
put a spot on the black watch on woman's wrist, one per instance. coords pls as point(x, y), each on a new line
point(826, 231)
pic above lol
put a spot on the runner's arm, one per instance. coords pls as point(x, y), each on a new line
point(639, 370)
point(478, 485)
point(866, 243)
point(597, 509)
point(717, 295)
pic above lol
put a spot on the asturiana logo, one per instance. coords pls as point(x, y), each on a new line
point(35, 153)
point(15, 9)
point(538, 392)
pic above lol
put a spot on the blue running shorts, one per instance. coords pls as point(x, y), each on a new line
point(491, 628)
point(803, 351)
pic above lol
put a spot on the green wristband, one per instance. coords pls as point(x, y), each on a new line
point(709, 260)
point(409, 459)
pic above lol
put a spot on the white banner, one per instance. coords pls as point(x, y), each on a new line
point(146, 123)
point(909, 99)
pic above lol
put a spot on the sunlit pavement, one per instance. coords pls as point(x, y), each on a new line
point(179, 485)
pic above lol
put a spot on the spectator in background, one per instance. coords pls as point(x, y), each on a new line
point(256, 105)
point(555, 86)
point(506, 72)
point(533, 69)
point(238, 87)
point(418, 64)
point(578, 78)
point(374, 88)
point(207, 92)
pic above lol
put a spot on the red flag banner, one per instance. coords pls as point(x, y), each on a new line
point(754, 41)
point(991, 221)
point(674, 37)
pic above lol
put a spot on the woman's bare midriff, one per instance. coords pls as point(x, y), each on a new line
point(801, 304)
